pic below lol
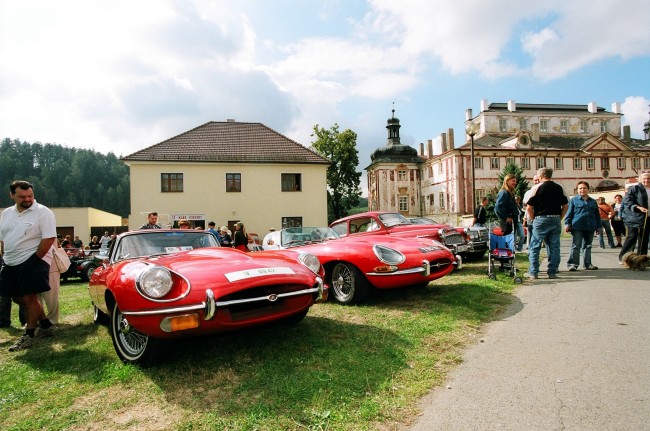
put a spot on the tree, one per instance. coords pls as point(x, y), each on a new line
point(343, 180)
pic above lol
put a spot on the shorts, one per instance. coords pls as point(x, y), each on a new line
point(29, 277)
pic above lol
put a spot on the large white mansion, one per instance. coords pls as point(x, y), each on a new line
point(580, 142)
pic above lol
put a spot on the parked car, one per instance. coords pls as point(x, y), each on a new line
point(355, 265)
point(477, 237)
point(159, 284)
point(82, 264)
point(389, 223)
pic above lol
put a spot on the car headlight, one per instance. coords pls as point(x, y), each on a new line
point(388, 255)
point(155, 282)
point(310, 261)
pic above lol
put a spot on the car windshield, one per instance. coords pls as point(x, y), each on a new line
point(306, 235)
point(393, 219)
point(161, 242)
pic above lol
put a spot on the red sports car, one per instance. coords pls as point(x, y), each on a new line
point(387, 223)
point(355, 264)
point(160, 284)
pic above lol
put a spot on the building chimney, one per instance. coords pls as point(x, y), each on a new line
point(230, 120)
point(534, 132)
point(450, 135)
point(512, 106)
point(421, 149)
point(592, 107)
point(626, 133)
point(430, 147)
point(616, 108)
point(484, 105)
point(468, 114)
point(443, 142)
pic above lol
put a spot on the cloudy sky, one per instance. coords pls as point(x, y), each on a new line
point(118, 76)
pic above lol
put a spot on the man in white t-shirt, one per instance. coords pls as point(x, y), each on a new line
point(528, 223)
point(27, 233)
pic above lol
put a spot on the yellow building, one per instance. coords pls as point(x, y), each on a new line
point(228, 172)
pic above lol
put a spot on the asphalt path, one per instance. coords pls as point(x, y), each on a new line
point(571, 353)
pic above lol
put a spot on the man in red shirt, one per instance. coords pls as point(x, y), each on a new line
point(606, 214)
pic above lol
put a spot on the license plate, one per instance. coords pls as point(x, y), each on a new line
point(258, 272)
point(461, 248)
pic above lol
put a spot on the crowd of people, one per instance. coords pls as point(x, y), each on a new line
point(28, 239)
point(545, 208)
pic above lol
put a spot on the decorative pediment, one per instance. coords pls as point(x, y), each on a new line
point(605, 143)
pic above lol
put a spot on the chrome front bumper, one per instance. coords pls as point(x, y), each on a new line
point(210, 305)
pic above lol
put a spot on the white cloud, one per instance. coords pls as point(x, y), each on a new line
point(636, 114)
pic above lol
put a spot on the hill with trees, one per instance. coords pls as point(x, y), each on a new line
point(66, 177)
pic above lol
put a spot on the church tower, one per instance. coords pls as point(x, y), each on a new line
point(394, 175)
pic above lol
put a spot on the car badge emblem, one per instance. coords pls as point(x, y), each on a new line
point(272, 297)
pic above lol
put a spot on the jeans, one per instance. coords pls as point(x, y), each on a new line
point(582, 240)
point(608, 230)
point(636, 237)
point(548, 230)
point(520, 237)
point(5, 311)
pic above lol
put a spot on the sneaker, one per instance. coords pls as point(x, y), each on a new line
point(42, 333)
point(573, 268)
point(553, 276)
point(591, 268)
point(24, 342)
point(531, 276)
point(620, 262)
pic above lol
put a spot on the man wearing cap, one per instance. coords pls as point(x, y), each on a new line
point(224, 237)
point(183, 224)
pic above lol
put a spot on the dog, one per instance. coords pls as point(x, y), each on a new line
point(636, 261)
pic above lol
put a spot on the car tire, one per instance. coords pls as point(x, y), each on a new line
point(347, 284)
point(131, 345)
point(87, 271)
point(99, 318)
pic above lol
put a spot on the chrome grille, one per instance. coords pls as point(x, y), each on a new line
point(453, 238)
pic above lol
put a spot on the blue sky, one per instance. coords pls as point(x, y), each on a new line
point(122, 75)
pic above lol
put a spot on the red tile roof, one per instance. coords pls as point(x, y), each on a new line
point(229, 142)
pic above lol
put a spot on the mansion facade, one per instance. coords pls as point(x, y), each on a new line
point(580, 142)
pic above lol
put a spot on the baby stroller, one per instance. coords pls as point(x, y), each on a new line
point(502, 250)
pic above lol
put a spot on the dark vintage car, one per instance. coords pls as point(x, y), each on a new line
point(82, 263)
point(478, 238)
point(390, 223)
point(159, 284)
point(356, 264)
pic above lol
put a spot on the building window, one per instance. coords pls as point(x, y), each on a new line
point(430, 171)
point(564, 126)
point(441, 168)
point(543, 125)
point(577, 164)
point(603, 126)
point(620, 162)
point(401, 175)
point(494, 163)
point(636, 163)
point(291, 183)
point(288, 222)
point(591, 163)
point(525, 163)
point(583, 126)
point(559, 163)
point(510, 161)
point(646, 163)
point(503, 127)
point(604, 163)
point(441, 198)
point(171, 183)
point(431, 201)
point(478, 162)
point(233, 183)
point(523, 124)
point(540, 162)
point(404, 203)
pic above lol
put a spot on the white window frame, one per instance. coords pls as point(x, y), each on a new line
point(564, 126)
point(620, 163)
point(523, 124)
point(604, 163)
point(478, 162)
point(636, 163)
point(495, 163)
point(540, 162)
point(543, 125)
point(403, 203)
point(525, 162)
point(558, 163)
point(441, 198)
point(577, 164)
point(503, 125)
point(591, 163)
point(603, 126)
point(401, 175)
point(583, 126)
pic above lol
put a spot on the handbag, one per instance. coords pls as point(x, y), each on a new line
point(61, 259)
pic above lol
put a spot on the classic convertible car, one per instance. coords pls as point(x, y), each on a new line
point(355, 264)
point(160, 284)
point(478, 238)
point(388, 223)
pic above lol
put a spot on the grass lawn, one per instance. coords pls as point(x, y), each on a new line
point(342, 368)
